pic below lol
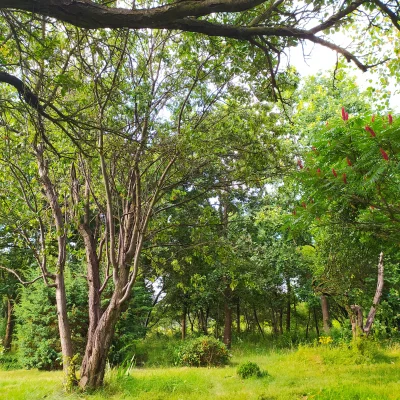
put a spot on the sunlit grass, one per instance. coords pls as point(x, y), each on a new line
point(319, 373)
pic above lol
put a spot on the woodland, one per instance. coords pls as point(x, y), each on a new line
point(173, 191)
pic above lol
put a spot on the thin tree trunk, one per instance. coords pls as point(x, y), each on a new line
point(61, 298)
point(227, 339)
point(246, 317)
point(281, 321)
point(288, 306)
point(258, 322)
point(238, 316)
point(325, 314)
point(203, 323)
point(316, 321)
point(63, 326)
point(9, 326)
point(191, 322)
point(377, 297)
point(308, 322)
point(183, 323)
point(356, 320)
point(273, 320)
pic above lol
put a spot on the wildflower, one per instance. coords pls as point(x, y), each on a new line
point(325, 340)
point(304, 205)
point(369, 129)
point(319, 171)
point(345, 179)
point(373, 118)
point(384, 154)
point(348, 162)
point(334, 172)
point(390, 117)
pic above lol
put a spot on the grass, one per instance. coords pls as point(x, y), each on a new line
point(318, 373)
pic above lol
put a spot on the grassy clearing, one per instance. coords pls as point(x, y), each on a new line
point(307, 373)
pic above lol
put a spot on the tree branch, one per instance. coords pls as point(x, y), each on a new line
point(11, 271)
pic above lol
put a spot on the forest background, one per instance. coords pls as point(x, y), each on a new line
point(158, 184)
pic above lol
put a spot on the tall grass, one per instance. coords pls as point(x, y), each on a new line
point(310, 372)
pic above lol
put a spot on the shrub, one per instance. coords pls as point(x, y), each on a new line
point(203, 351)
point(249, 369)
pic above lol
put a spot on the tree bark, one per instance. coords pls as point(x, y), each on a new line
point(258, 322)
point(356, 313)
point(63, 325)
point(281, 321)
point(377, 297)
point(203, 324)
point(183, 323)
point(316, 321)
point(61, 297)
point(227, 339)
point(356, 320)
point(94, 362)
point(288, 307)
point(9, 326)
point(238, 316)
point(308, 322)
point(325, 314)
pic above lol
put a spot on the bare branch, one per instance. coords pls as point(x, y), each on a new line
point(11, 271)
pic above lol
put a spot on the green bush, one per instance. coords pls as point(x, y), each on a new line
point(203, 352)
point(250, 369)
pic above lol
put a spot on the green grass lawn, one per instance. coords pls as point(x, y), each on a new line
point(308, 373)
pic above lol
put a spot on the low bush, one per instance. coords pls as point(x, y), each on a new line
point(202, 352)
point(250, 369)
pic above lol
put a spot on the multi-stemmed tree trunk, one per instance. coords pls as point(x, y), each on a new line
point(356, 312)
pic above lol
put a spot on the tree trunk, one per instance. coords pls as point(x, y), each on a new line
point(308, 322)
point(9, 326)
point(238, 316)
point(273, 320)
point(203, 322)
point(227, 339)
point(63, 326)
point(288, 310)
point(281, 321)
point(97, 348)
point(183, 323)
point(356, 319)
point(258, 322)
point(377, 297)
point(316, 321)
point(246, 317)
point(356, 314)
point(325, 314)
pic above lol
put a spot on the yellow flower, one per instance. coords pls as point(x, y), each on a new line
point(325, 340)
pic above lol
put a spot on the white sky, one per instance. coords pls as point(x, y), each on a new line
point(324, 59)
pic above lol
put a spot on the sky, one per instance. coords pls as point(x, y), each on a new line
point(324, 59)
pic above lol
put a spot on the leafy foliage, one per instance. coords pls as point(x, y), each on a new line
point(250, 369)
point(204, 351)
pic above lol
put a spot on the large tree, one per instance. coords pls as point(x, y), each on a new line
point(113, 120)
